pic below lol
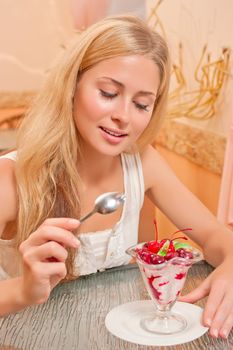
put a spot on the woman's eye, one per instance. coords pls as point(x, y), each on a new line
point(142, 106)
point(107, 94)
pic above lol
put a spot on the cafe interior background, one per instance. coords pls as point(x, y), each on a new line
point(199, 121)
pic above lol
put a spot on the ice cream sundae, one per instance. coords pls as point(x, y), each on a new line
point(164, 265)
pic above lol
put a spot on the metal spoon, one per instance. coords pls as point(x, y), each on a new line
point(106, 203)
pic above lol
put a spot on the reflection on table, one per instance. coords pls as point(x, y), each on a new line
point(74, 316)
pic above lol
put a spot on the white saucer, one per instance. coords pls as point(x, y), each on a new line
point(124, 322)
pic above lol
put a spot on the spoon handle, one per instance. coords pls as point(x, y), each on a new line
point(87, 215)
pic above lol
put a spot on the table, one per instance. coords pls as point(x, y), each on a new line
point(74, 315)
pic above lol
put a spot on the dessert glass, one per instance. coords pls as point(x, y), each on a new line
point(164, 283)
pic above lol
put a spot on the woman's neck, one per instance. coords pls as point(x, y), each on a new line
point(95, 167)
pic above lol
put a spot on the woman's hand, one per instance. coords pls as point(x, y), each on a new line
point(41, 273)
point(218, 312)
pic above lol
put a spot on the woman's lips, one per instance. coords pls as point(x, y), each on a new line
point(112, 135)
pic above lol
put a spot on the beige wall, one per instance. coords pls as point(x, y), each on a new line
point(32, 33)
point(204, 184)
point(195, 24)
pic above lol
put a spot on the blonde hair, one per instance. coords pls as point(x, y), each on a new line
point(48, 144)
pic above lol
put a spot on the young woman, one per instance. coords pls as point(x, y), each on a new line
point(99, 110)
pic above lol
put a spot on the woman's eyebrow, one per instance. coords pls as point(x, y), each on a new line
point(141, 92)
point(147, 93)
point(113, 81)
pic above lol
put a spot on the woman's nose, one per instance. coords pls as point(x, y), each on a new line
point(121, 114)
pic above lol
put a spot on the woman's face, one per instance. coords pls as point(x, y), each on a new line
point(114, 101)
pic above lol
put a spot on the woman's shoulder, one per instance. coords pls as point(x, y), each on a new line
point(8, 192)
point(144, 156)
point(149, 157)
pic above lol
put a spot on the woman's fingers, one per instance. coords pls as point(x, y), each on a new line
point(66, 223)
point(57, 269)
point(227, 325)
point(198, 293)
point(46, 270)
point(42, 279)
point(218, 312)
point(44, 252)
point(60, 233)
point(212, 304)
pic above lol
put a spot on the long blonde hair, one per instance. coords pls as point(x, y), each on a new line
point(48, 144)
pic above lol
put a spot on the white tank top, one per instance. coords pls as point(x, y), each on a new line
point(102, 249)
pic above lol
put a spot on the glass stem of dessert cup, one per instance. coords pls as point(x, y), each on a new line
point(164, 283)
point(161, 319)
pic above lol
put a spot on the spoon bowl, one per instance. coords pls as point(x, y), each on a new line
point(106, 203)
